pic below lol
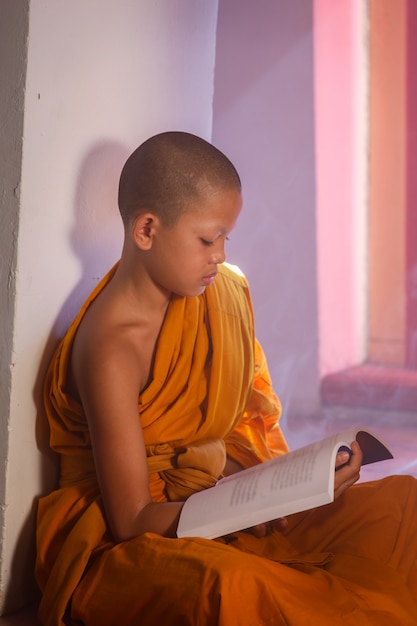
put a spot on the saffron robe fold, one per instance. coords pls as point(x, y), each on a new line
point(352, 562)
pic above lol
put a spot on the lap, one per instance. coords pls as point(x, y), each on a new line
point(338, 563)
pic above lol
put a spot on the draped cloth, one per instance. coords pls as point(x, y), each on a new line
point(352, 562)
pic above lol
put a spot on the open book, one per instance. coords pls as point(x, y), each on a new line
point(297, 481)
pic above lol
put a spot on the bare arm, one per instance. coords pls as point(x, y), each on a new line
point(109, 379)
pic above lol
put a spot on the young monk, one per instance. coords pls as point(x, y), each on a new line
point(158, 388)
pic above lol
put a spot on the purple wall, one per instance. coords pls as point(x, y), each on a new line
point(264, 121)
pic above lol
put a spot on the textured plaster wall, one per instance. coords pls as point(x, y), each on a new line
point(13, 35)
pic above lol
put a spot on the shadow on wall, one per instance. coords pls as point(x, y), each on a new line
point(96, 239)
point(97, 233)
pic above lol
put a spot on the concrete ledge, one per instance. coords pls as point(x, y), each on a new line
point(371, 386)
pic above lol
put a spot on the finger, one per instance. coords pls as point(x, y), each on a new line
point(345, 479)
point(259, 530)
point(357, 453)
point(279, 524)
point(342, 458)
point(348, 475)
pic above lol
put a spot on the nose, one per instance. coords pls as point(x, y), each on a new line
point(219, 255)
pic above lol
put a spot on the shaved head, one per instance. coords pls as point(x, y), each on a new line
point(169, 173)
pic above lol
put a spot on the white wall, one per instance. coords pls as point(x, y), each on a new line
point(101, 77)
point(264, 119)
point(13, 33)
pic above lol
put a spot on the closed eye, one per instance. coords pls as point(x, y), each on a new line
point(207, 243)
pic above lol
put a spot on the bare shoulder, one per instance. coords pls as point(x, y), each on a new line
point(112, 344)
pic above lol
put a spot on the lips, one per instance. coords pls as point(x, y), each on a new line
point(209, 280)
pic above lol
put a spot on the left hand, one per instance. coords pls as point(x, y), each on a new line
point(261, 530)
point(345, 477)
point(349, 474)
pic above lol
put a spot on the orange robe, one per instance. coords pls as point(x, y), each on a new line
point(352, 562)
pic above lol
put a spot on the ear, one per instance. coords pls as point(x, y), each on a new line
point(144, 229)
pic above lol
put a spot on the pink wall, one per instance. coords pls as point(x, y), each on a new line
point(411, 259)
point(340, 117)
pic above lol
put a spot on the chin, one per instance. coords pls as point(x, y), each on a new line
point(196, 292)
point(188, 293)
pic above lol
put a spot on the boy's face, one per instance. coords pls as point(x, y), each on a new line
point(185, 256)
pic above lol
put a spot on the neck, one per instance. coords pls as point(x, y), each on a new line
point(132, 279)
